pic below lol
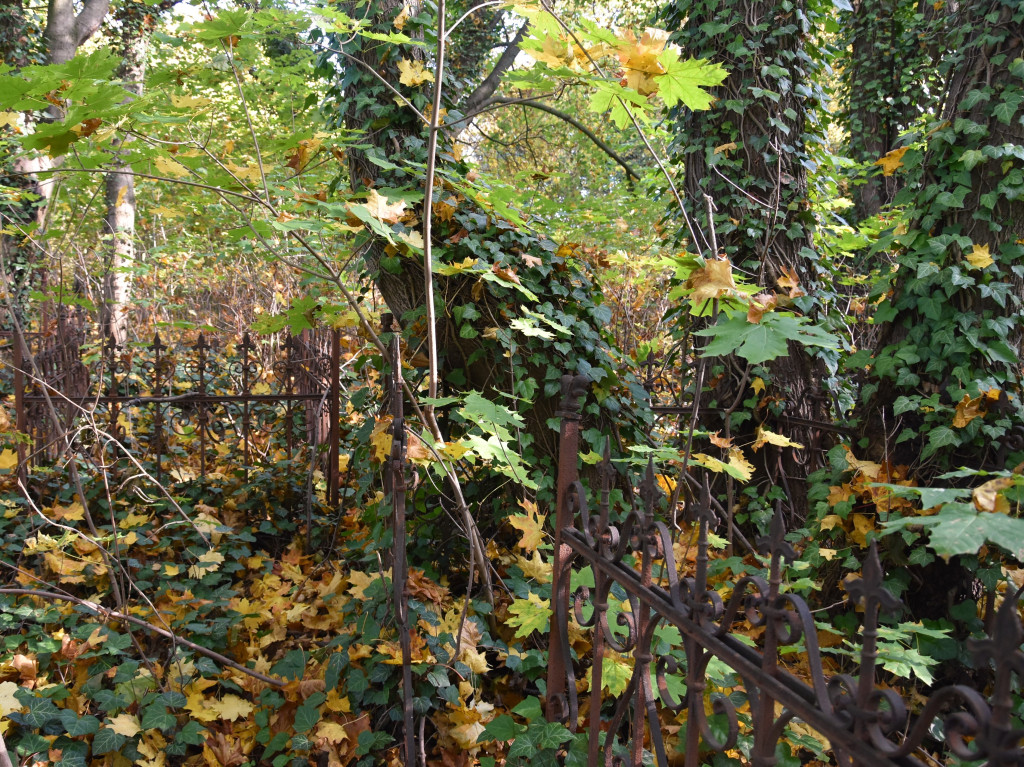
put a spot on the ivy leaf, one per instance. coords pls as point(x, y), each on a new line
point(684, 80)
point(75, 726)
point(502, 728)
point(529, 615)
point(107, 741)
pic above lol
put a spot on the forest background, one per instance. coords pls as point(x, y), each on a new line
point(806, 218)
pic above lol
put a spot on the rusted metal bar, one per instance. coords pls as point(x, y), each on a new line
point(158, 414)
point(21, 418)
point(203, 416)
point(573, 388)
point(247, 350)
point(399, 560)
point(335, 416)
point(193, 398)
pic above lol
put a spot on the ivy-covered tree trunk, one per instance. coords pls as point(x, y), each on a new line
point(887, 81)
point(746, 159)
point(945, 387)
point(478, 350)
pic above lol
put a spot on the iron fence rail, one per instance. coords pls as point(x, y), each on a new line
point(222, 395)
point(862, 720)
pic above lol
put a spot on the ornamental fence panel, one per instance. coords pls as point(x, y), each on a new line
point(192, 408)
point(643, 597)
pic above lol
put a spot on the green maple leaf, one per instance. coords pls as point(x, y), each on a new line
point(613, 96)
point(529, 615)
point(766, 340)
point(685, 80)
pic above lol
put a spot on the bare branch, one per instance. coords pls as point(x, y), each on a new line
point(486, 89)
point(602, 145)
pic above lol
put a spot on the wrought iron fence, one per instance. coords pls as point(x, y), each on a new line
point(247, 403)
point(858, 719)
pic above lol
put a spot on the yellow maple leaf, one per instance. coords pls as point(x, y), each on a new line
point(830, 521)
point(8, 702)
point(530, 524)
point(332, 732)
point(719, 441)
point(163, 210)
point(979, 257)
point(125, 724)
point(757, 385)
point(412, 238)
point(169, 167)
point(190, 102)
point(764, 437)
point(359, 582)
point(380, 207)
point(380, 439)
point(337, 702)
point(400, 21)
point(475, 660)
point(413, 73)
point(209, 562)
point(454, 450)
point(73, 513)
point(535, 567)
point(839, 494)
point(739, 462)
point(554, 50)
point(231, 707)
point(891, 161)
point(8, 459)
point(640, 60)
point(862, 525)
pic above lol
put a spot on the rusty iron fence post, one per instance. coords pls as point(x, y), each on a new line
point(202, 349)
point(334, 431)
point(159, 363)
point(573, 388)
point(399, 561)
point(248, 369)
point(21, 418)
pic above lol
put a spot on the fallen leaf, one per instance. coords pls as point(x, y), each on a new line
point(979, 257)
point(125, 724)
point(712, 281)
point(968, 409)
point(991, 495)
point(891, 161)
point(759, 305)
point(400, 21)
point(531, 525)
point(413, 73)
point(764, 437)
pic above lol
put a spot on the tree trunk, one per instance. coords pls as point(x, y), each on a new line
point(135, 25)
point(747, 158)
point(951, 323)
point(888, 81)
